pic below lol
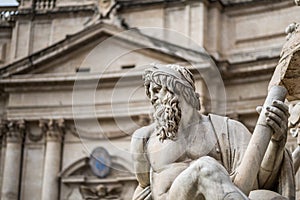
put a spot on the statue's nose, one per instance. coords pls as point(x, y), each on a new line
point(154, 99)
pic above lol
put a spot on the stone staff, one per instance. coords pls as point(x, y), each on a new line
point(258, 144)
point(285, 80)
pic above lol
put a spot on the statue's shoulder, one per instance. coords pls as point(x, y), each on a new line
point(217, 118)
point(139, 140)
point(144, 132)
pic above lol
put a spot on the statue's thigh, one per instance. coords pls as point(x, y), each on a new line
point(266, 195)
point(205, 177)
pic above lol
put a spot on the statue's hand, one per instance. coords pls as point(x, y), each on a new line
point(277, 118)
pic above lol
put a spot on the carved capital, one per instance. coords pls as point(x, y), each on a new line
point(15, 131)
point(53, 129)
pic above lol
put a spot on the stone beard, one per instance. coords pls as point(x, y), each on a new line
point(167, 116)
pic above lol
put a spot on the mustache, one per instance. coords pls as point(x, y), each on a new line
point(159, 111)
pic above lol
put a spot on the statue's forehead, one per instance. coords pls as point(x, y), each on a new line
point(154, 84)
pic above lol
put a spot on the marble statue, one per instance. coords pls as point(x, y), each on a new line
point(186, 155)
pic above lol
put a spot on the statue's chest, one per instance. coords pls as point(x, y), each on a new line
point(162, 154)
point(202, 144)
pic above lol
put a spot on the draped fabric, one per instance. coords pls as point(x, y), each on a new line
point(143, 194)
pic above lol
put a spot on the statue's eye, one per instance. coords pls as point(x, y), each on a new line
point(156, 89)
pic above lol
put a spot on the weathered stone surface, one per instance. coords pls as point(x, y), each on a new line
point(294, 125)
point(287, 72)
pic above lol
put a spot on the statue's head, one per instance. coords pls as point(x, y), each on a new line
point(166, 86)
point(176, 79)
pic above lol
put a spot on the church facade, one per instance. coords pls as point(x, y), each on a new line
point(71, 90)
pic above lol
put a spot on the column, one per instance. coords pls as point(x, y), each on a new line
point(3, 130)
point(12, 166)
point(54, 135)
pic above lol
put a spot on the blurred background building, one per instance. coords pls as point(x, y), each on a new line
point(70, 82)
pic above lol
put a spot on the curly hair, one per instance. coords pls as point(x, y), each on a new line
point(176, 79)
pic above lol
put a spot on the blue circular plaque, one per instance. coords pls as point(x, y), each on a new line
point(100, 162)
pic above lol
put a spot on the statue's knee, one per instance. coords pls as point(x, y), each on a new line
point(205, 166)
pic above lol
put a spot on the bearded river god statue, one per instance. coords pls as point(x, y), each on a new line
point(185, 155)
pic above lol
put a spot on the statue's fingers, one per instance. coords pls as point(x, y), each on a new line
point(258, 109)
point(282, 106)
point(274, 117)
point(273, 125)
point(278, 112)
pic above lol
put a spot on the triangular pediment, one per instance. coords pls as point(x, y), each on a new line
point(100, 51)
point(97, 49)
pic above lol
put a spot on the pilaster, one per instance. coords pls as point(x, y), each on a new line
point(54, 131)
point(14, 132)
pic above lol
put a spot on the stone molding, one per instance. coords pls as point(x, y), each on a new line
point(101, 191)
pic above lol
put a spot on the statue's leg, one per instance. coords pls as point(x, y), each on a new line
point(205, 178)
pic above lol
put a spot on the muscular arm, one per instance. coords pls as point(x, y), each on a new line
point(271, 165)
point(277, 118)
point(140, 160)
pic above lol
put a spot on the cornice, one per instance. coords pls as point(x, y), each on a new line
point(25, 12)
point(232, 72)
point(257, 7)
point(56, 79)
point(246, 2)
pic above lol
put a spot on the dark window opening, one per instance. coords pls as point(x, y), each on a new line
point(128, 66)
point(79, 70)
